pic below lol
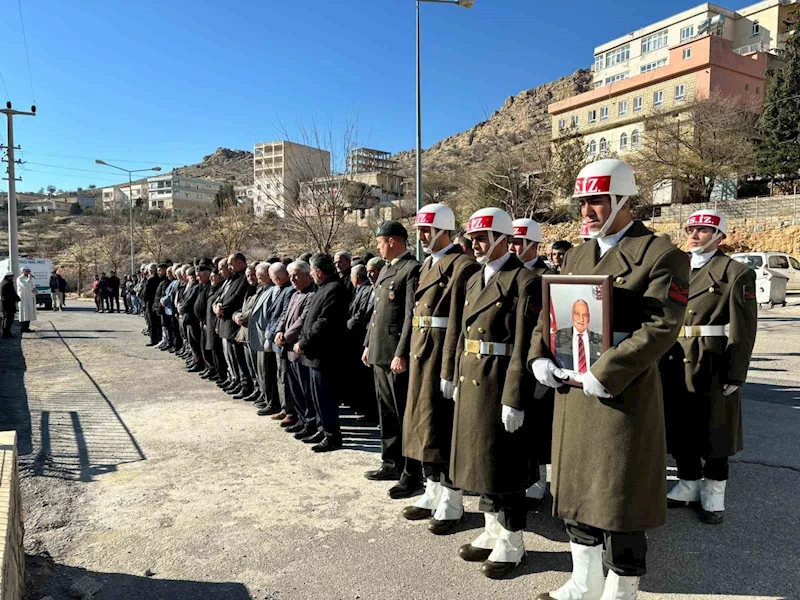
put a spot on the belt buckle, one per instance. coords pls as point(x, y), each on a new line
point(473, 347)
point(696, 331)
point(415, 321)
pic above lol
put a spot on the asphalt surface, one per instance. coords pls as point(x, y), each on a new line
point(158, 485)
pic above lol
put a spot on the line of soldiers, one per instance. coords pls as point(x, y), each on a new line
point(472, 397)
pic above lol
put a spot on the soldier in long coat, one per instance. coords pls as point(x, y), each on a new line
point(525, 244)
point(387, 348)
point(704, 371)
point(609, 447)
point(428, 424)
point(492, 451)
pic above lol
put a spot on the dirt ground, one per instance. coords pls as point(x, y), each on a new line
point(157, 485)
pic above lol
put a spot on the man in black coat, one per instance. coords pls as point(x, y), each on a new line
point(344, 262)
point(229, 302)
point(151, 305)
point(113, 291)
point(199, 308)
point(323, 330)
point(360, 312)
point(9, 297)
point(190, 322)
point(212, 343)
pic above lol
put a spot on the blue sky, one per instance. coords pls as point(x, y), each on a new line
point(168, 82)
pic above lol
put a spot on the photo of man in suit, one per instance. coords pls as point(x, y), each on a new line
point(577, 347)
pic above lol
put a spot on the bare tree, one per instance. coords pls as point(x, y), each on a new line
point(112, 242)
point(707, 141)
point(229, 229)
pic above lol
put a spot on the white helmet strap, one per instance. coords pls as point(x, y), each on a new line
point(437, 233)
point(617, 202)
point(701, 249)
point(494, 240)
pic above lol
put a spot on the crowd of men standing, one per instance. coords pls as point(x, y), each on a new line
point(453, 359)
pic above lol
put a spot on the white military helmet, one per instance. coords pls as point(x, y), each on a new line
point(607, 176)
point(494, 220)
point(437, 216)
point(527, 229)
point(707, 218)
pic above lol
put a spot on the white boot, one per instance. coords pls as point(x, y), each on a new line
point(537, 490)
point(620, 588)
point(510, 547)
point(712, 501)
point(684, 494)
point(451, 505)
point(491, 531)
point(587, 578)
point(431, 496)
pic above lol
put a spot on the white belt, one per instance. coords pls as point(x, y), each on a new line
point(434, 322)
point(488, 348)
point(689, 331)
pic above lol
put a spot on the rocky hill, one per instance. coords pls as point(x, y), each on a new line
point(225, 164)
point(514, 126)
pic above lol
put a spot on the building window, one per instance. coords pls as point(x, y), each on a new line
point(654, 42)
point(618, 56)
point(603, 145)
point(598, 63)
point(592, 116)
point(575, 119)
point(637, 103)
point(604, 113)
point(658, 98)
point(746, 87)
point(687, 53)
point(680, 92)
point(616, 78)
point(562, 124)
point(687, 33)
point(756, 28)
point(758, 90)
point(653, 66)
point(592, 148)
point(623, 141)
point(623, 108)
point(635, 138)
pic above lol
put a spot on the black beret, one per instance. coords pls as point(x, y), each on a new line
point(391, 229)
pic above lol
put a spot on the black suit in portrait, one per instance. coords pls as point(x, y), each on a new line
point(563, 351)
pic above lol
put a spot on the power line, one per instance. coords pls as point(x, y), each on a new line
point(143, 162)
point(27, 162)
point(8, 96)
point(84, 177)
point(27, 58)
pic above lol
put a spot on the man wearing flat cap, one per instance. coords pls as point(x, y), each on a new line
point(386, 350)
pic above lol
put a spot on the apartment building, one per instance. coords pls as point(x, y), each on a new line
point(177, 193)
point(116, 197)
point(279, 168)
point(759, 27)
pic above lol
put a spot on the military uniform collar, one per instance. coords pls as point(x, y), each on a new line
point(397, 259)
point(607, 242)
point(437, 256)
point(536, 262)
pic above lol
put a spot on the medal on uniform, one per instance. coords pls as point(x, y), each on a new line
point(391, 294)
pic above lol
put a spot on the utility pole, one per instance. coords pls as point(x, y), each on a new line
point(13, 242)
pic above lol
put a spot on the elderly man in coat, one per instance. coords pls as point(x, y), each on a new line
point(609, 449)
point(9, 297)
point(26, 289)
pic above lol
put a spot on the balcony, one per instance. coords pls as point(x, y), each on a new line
point(757, 47)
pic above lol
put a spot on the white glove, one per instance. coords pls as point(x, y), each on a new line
point(447, 388)
point(512, 418)
point(455, 393)
point(728, 389)
point(592, 387)
point(547, 373)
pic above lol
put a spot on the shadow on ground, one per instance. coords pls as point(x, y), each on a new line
point(45, 577)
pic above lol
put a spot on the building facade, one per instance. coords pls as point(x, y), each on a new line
point(279, 168)
point(177, 193)
point(116, 197)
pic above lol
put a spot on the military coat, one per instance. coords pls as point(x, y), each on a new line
point(484, 457)
point(428, 422)
point(609, 454)
point(389, 332)
point(701, 421)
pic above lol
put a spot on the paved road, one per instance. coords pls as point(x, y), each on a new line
point(133, 467)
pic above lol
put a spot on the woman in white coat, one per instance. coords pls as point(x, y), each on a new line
point(26, 289)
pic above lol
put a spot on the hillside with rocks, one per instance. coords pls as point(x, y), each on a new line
point(235, 166)
point(521, 121)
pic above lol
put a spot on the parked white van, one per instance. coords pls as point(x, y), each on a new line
point(780, 262)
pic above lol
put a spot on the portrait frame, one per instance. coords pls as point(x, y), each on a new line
point(598, 292)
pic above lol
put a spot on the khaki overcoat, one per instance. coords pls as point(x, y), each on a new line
point(428, 423)
point(609, 454)
point(701, 421)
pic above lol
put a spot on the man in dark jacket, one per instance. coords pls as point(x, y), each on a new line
point(387, 348)
point(229, 302)
point(9, 297)
point(278, 402)
point(151, 305)
point(344, 262)
point(323, 329)
point(190, 322)
point(199, 309)
point(212, 343)
point(360, 312)
point(113, 289)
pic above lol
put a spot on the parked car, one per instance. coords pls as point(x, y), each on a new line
point(41, 268)
point(780, 262)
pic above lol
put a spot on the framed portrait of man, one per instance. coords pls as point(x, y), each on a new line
point(578, 319)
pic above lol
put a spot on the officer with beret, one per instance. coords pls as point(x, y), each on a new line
point(387, 348)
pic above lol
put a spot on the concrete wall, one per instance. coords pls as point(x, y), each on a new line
point(12, 553)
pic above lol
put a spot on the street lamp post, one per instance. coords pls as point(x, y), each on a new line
point(130, 196)
point(464, 4)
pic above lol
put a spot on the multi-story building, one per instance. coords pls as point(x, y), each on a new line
point(245, 195)
point(367, 160)
point(177, 193)
point(58, 206)
point(116, 197)
point(760, 27)
point(278, 169)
